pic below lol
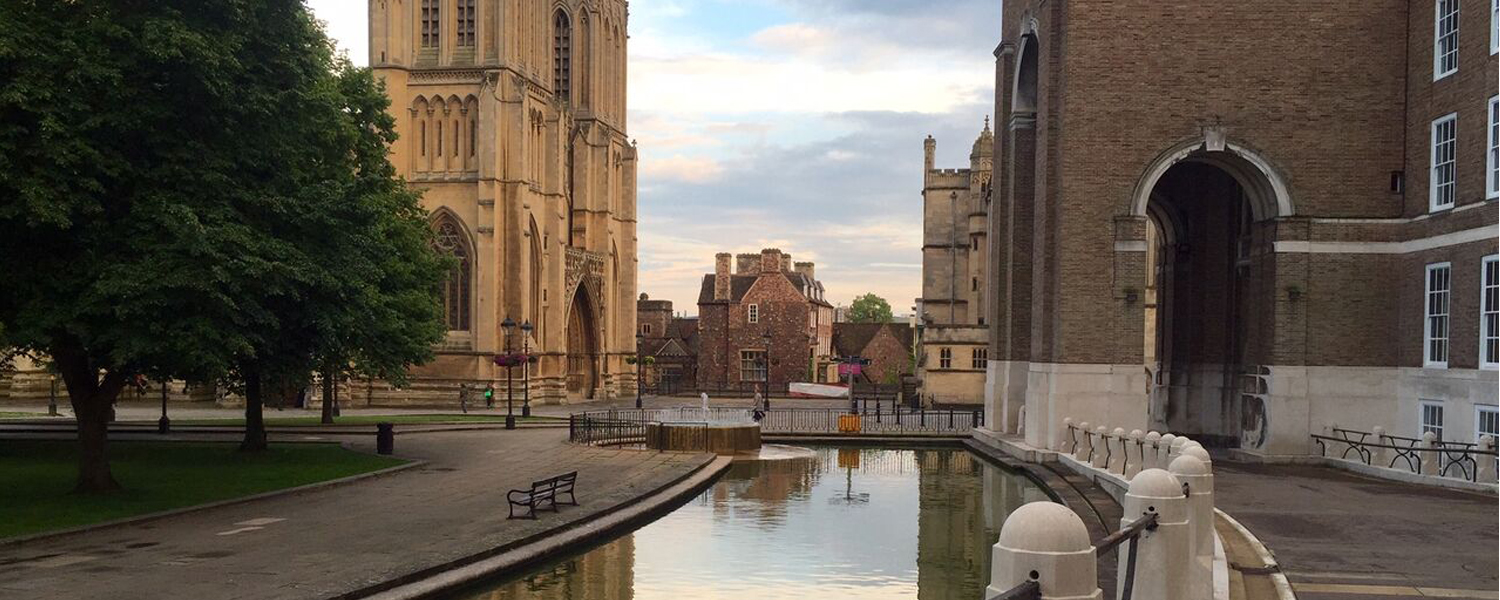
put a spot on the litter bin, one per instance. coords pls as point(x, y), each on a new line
point(385, 438)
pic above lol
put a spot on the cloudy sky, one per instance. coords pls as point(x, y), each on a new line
point(795, 124)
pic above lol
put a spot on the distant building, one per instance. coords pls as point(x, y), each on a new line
point(765, 323)
point(955, 244)
point(672, 342)
point(886, 345)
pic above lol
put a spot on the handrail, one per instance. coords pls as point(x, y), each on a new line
point(1028, 590)
point(1127, 533)
point(1450, 454)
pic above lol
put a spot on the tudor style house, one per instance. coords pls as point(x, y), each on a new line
point(512, 122)
point(671, 342)
point(763, 326)
point(1246, 229)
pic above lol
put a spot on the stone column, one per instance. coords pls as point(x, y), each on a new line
point(1195, 475)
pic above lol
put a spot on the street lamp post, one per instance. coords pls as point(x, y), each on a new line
point(163, 425)
point(640, 339)
point(52, 403)
point(526, 328)
point(766, 400)
point(510, 417)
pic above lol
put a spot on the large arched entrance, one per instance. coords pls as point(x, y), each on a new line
point(1209, 301)
point(583, 347)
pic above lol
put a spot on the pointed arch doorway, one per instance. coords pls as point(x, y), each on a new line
point(583, 347)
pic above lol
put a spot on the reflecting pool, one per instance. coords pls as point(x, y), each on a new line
point(846, 523)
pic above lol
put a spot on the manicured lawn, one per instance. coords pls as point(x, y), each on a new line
point(36, 478)
point(274, 421)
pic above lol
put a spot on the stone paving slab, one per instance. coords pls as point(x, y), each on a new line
point(1340, 536)
point(334, 541)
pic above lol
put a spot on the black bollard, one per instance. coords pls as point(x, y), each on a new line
point(385, 438)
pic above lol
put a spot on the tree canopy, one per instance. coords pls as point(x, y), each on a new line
point(870, 308)
point(180, 181)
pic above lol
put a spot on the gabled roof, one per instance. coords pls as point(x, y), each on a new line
point(852, 338)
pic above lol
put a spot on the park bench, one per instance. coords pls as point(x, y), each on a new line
point(545, 494)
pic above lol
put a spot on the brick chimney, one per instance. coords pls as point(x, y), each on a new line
point(806, 269)
point(747, 264)
point(770, 260)
point(721, 276)
point(786, 263)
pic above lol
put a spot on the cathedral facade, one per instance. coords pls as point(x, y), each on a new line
point(511, 115)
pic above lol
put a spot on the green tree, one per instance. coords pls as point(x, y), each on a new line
point(870, 308)
point(165, 168)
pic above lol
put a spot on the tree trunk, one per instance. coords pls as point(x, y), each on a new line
point(255, 425)
point(92, 401)
point(327, 396)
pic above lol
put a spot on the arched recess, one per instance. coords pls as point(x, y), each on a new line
point(583, 345)
point(562, 55)
point(1264, 186)
point(1024, 94)
point(421, 114)
point(585, 61)
point(452, 238)
point(535, 278)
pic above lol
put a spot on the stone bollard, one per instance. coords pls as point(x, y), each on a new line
point(1199, 480)
point(1378, 456)
point(1176, 450)
point(1162, 555)
point(1199, 453)
point(1133, 454)
point(1085, 444)
point(1487, 466)
point(1153, 443)
point(1164, 450)
point(1065, 442)
point(1117, 449)
point(1101, 447)
point(1045, 542)
point(1430, 457)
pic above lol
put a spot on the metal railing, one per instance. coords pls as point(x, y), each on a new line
point(899, 420)
point(1028, 590)
point(1129, 534)
point(629, 425)
point(1096, 439)
point(1462, 456)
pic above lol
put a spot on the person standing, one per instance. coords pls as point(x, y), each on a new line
point(463, 397)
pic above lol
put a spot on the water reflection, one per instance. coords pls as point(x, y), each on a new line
point(847, 523)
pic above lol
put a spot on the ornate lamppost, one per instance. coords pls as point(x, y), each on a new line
point(526, 359)
point(508, 361)
point(766, 400)
point(52, 402)
point(640, 340)
point(163, 425)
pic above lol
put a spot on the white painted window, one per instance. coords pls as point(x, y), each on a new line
point(752, 365)
point(1445, 40)
point(945, 358)
point(1489, 312)
point(1444, 182)
point(980, 356)
point(1486, 421)
point(1492, 156)
point(1494, 26)
point(1432, 418)
point(1435, 325)
point(752, 313)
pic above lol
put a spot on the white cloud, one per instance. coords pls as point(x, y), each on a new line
point(688, 169)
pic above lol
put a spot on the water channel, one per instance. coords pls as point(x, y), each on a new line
point(848, 523)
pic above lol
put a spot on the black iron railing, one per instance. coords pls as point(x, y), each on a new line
point(1028, 590)
point(1130, 534)
point(1459, 460)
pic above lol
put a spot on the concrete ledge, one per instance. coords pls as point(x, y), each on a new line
point(1368, 470)
point(1112, 484)
point(1249, 558)
point(434, 581)
point(1014, 446)
point(221, 503)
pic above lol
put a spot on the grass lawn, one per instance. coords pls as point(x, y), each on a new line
point(20, 415)
point(311, 421)
point(36, 478)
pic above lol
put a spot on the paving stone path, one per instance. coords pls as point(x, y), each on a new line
point(1339, 536)
point(333, 541)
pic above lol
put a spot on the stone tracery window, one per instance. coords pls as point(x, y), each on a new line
point(450, 239)
point(562, 56)
point(465, 29)
point(430, 23)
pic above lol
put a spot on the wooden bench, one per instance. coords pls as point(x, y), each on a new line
point(546, 494)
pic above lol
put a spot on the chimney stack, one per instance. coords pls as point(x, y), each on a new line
point(786, 263)
point(770, 260)
point(929, 154)
point(747, 264)
point(806, 269)
point(721, 276)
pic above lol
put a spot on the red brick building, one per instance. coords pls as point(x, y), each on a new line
point(888, 346)
point(1246, 221)
point(765, 324)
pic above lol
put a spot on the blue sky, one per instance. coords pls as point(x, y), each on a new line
point(796, 124)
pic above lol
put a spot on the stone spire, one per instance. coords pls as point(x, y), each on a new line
point(985, 145)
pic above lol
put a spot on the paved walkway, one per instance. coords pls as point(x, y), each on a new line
point(337, 540)
point(1340, 536)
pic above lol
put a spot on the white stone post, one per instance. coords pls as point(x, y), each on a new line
point(1101, 447)
point(1200, 482)
point(1117, 451)
point(1153, 442)
point(1199, 453)
point(1430, 457)
point(1378, 456)
point(1162, 555)
point(1487, 466)
point(1134, 452)
point(1065, 442)
point(1045, 542)
point(1176, 451)
point(1164, 450)
point(1085, 442)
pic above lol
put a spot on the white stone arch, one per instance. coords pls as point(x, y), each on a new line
point(1265, 187)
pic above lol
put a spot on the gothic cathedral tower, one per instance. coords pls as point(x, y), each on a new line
point(512, 121)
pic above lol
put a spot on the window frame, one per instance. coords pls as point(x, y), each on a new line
point(1492, 149)
point(1428, 315)
point(430, 24)
point(978, 358)
point(1479, 412)
point(750, 365)
point(1438, 55)
point(1494, 27)
point(1433, 186)
point(945, 358)
point(645, 328)
point(1422, 425)
point(752, 313)
point(1489, 310)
